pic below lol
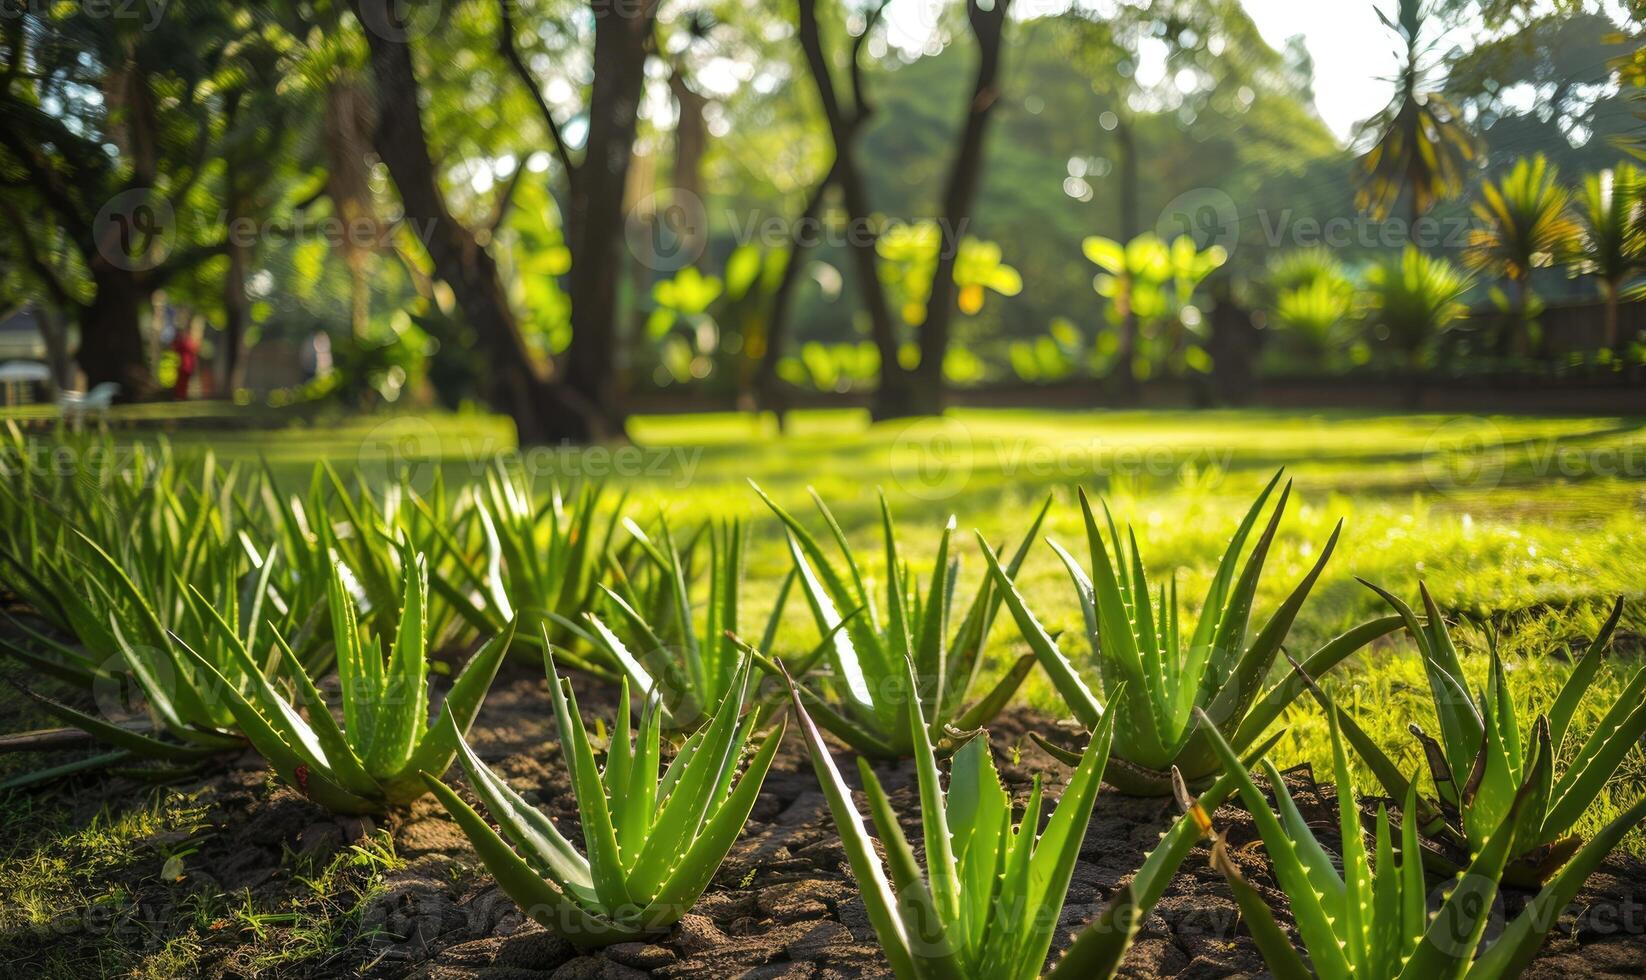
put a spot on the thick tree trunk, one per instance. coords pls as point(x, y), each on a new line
point(112, 347)
point(542, 411)
point(925, 395)
point(622, 41)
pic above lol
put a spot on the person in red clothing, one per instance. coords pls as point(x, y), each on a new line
point(187, 348)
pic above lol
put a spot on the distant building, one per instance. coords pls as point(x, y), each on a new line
point(20, 338)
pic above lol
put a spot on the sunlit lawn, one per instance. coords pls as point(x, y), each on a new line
point(1530, 526)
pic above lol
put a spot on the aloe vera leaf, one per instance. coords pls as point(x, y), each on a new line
point(1234, 701)
point(1064, 677)
point(1118, 649)
point(994, 702)
point(878, 900)
point(1520, 940)
point(940, 861)
point(1598, 760)
point(1052, 865)
point(1454, 933)
point(599, 836)
point(1098, 949)
point(404, 711)
point(552, 908)
point(1204, 638)
point(708, 849)
point(539, 841)
point(1279, 955)
point(1314, 920)
point(462, 704)
point(1580, 679)
point(118, 736)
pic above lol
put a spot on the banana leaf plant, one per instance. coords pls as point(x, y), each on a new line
point(1362, 915)
point(1141, 648)
point(865, 653)
point(986, 903)
point(1485, 750)
point(657, 637)
point(651, 843)
point(372, 760)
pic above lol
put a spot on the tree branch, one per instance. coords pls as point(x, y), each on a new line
point(37, 265)
point(512, 54)
point(505, 197)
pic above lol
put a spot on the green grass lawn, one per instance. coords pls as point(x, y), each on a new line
point(1527, 526)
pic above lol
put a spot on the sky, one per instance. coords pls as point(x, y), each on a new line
point(1354, 54)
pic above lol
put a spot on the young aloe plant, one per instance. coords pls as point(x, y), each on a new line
point(542, 563)
point(987, 902)
point(1484, 752)
point(651, 845)
point(656, 636)
point(866, 654)
point(128, 647)
point(1140, 646)
point(373, 759)
point(1371, 920)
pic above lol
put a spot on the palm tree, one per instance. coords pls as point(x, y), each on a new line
point(1611, 243)
point(1521, 224)
point(1422, 147)
point(1310, 296)
point(1412, 298)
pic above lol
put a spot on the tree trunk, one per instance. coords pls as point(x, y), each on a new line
point(112, 347)
point(802, 235)
point(1609, 289)
point(926, 393)
point(1126, 348)
point(54, 334)
point(691, 135)
point(236, 304)
point(861, 236)
point(542, 411)
point(622, 41)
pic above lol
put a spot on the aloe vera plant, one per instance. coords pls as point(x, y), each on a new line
point(1371, 918)
point(987, 902)
point(866, 654)
point(650, 844)
point(1141, 649)
point(1485, 751)
point(372, 760)
point(654, 632)
point(540, 562)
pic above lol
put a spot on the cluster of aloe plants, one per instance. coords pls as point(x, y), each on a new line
point(220, 604)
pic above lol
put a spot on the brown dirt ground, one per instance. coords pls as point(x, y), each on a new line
point(783, 904)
